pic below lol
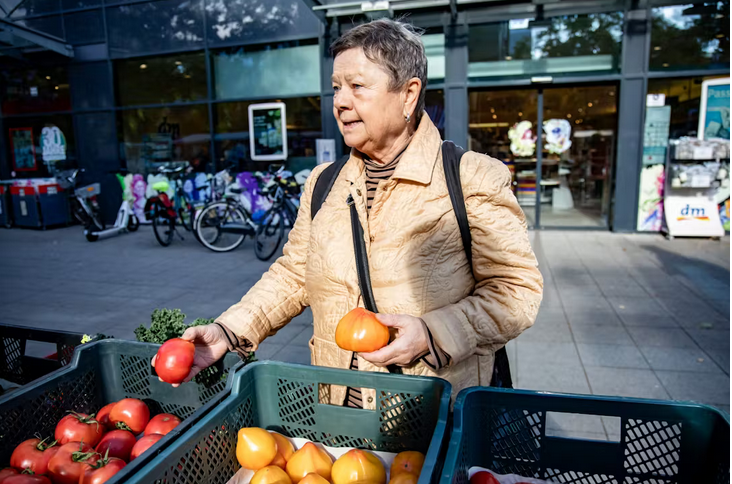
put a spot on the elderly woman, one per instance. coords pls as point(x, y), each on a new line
point(449, 318)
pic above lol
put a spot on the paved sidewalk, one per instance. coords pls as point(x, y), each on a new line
point(630, 315)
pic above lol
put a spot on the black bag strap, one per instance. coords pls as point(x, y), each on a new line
point(451, 156)
point(324, 184)
point(362, 266)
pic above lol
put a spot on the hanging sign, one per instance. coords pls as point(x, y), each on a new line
point(267, 131)
point(24, 153)
point(558, 132)
point(523, 143)
point(714, 112)
point(53, 143)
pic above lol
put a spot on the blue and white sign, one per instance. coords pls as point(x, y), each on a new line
point(714, 112)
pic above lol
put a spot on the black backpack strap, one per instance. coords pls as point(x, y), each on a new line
point(451, 155)
point(324, 184)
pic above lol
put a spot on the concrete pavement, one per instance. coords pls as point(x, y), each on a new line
point(631, 315)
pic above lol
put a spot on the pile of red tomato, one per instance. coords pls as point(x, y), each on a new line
point(89, 449)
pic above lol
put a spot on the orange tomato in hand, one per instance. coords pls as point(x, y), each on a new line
point(361, 331)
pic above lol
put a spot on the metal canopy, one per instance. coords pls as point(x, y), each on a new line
point(15, 37)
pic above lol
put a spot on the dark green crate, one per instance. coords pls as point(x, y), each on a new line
point(411, 414)
point(661, 442)
point(100, 373)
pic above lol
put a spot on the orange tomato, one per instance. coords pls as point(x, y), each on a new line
point(358, 465)
point(409, 462)
point(270, 475)
point(255, 448)
point(284, 450)
point(313, 478)
point(309, 459)
point(404, 478)
point(359, 330)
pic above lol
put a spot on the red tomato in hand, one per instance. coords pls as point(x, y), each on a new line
point(162, 424)
point(483, 477)
point(130, 414)
point(79, 427)
point(6, 473)
point(102, 471)
point(174, 360)
point(143, 444)
point(67, 465)
point(103, 416)
point(118, 443)
point(33, 454)
point(26, 479)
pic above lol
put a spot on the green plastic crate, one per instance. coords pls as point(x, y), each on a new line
point(100, 373)
point(661, 442)
point(411, 414)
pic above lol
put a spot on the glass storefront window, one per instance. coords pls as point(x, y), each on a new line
point(36, 7)
point(36, 124)
point(560, 45)
point(156, 135)
point(232, 134)
point(434, 48)
point(690, 36)
point(256, 21)
point(154, 26)
point(434, 104)
point(158, 80)
point(285, 69)
point(684, 97)
point(50, 25)
point(35, 90)
point(84, 27)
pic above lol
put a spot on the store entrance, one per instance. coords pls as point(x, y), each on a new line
point(563, 178)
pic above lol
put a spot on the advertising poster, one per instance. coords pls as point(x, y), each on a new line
point(693, 216)
point(655, 135)
point(53, 144)
point(24, 153)
point(714, 112)
point(268, 132)
point(650, 203)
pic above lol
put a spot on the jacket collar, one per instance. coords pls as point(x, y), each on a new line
point(418, 161)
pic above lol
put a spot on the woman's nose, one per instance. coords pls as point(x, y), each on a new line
point(342, 100)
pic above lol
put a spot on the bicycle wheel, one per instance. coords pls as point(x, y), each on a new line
point(78, 211)
point(163, 227)
point(269, 234)
point(222, 227)
point(186, 212)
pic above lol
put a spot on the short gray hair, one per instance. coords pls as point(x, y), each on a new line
point(394, 45)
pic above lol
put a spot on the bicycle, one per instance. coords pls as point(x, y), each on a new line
point(164, 212)
point(223, 225)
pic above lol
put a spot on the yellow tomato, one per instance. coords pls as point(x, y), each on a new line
point(270, 475)
point(313, 478)
point(255, 448)
point(404, 478)
point(284, 450)
point(358, 465)
point(309, 459)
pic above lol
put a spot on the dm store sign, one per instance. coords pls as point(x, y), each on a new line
point(693, 217)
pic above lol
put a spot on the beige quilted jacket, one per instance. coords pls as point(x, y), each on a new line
point(417, 264)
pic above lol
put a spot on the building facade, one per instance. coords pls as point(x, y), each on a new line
point(131, 82)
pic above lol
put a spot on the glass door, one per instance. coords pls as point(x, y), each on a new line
point(562, 178)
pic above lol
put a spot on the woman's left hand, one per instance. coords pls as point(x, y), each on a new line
point(410, 342)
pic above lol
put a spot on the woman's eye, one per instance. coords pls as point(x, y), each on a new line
point(356, 86)
point(336, 88)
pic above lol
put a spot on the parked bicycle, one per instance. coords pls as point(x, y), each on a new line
point(223, 225)
point(166, 213)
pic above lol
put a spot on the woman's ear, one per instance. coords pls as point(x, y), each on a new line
point(411, 96)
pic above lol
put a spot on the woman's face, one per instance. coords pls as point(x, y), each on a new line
point(369, 115)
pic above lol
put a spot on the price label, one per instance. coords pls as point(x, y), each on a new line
point(23, 208)
point(52, 190)
point(21, 192)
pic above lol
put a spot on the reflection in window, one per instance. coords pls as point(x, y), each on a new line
point(571, 44)
point(35, 90)
point(255, 20)
point(690, 36)
point(63, 122)
point(271, 70)
point(434, 48)
point(156, 135)
point(232, 134)
point(684, 97)
point(158, 80)
point(49, 25)
point(36, 7)
point(84, 27)
point(154, 27)
point(434, 105)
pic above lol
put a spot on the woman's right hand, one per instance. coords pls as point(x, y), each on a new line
point(210, 343)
